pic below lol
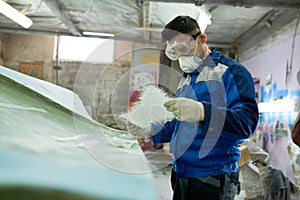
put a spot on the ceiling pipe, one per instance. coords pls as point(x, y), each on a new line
point(146, 20)
point(252, 3)
point(52, 4)
point(248, 33)
point(241, 3)
point(152, 40)
point(31, 31)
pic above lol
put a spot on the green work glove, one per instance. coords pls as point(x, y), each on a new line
point(186, 109)
point(138, 131)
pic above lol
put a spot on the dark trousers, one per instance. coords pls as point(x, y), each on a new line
point(221, 187)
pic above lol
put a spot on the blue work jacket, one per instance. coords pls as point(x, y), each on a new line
point(210, 147)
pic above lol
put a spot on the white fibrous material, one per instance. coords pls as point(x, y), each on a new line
point(150, 108)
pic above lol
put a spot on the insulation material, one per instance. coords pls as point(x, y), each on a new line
point(275, 143)
point(275, 184)
point(294, 152)
point(149, 108)
point(279, 157)
point(50, 150)
point(57, 94)
point(251, 182)
point(257, 153)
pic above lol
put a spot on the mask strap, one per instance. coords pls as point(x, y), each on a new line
point(194, 36)
point(196, 58)
point(206, 54)
point(195, 48)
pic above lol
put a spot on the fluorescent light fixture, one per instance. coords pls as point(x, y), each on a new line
point(98, 34)
point(285, 105)
point(14, 15)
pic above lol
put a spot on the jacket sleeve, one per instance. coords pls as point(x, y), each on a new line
point(238, 119)
point(162, 133)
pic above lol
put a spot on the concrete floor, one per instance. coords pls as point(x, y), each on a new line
point(162, 182)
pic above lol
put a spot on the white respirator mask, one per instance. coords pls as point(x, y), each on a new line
point(189, 64)
point(176, 50)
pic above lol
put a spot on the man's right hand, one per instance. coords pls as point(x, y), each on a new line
point(138, 131)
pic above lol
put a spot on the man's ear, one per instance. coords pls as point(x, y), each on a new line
point(201, 38)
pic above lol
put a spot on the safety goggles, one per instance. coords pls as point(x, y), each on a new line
point(177, 49)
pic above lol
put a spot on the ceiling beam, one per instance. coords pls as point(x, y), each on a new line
point(240, 3)
point(52, 4)
point(253, 29)
point(146, 20)
point(253, 3)
point(278, 29)
point(151, 40)
point(10, 30)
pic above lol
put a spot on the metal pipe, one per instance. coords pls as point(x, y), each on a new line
point(240, 3)
point(31, 31)
point(52, 4)
point(57, 67)
point(146, 20)
point(152, 40)
point(263, 19)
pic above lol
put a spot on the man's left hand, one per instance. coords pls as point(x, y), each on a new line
point(186, 109)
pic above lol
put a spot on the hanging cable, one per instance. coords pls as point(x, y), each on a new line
point(293, 43)
point(289, 67)
point(57, 67)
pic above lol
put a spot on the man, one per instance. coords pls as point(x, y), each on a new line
point(214, 108)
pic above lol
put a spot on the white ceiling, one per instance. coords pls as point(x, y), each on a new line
point(233, 21)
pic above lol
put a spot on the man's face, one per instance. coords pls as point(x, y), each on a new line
point(180, 45)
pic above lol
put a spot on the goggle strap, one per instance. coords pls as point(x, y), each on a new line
point(196, 35)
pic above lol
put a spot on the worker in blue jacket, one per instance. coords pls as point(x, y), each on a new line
point(215, 110)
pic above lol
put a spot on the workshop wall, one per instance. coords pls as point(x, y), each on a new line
point(34, 51)
point(1, 48)
point(277, 72)
point(276, 61)
point(94, 83)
